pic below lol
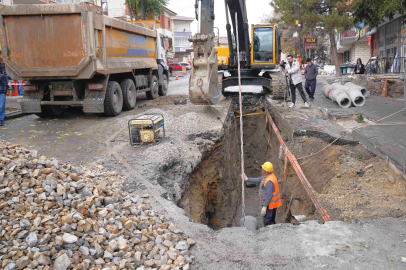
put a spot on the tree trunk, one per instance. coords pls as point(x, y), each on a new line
point(130, 9)
point(334, 52)
point(143, 7)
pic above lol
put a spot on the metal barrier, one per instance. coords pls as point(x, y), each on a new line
point(385, 65)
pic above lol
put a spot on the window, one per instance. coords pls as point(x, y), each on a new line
point(169, 23)
point(263, 45)
point(182, 42)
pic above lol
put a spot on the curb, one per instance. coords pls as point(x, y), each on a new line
point(14, 114)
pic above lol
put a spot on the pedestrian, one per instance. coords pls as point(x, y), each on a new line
point(269, 195)
point(311, 72)
point(3, 92)
point(170, 69)
point(292, 70)
point(359, 68)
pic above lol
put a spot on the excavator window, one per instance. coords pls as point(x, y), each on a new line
point(263, 45)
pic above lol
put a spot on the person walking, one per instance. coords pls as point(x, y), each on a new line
point(359, 68)
point(269, 195)
point(292, 70)
point(311, 72)
point(3, 92)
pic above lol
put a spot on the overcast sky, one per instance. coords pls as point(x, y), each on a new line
point(256, 9)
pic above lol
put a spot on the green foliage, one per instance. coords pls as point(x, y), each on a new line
point(148, 9)
point(373, 12)
point(360, 119)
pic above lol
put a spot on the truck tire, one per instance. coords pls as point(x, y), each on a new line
point(153, 93)
point(129, 94)
point(163, 89)
point(113, 103)
point(51, 111)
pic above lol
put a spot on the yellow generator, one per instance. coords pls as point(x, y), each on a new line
point(146, 128)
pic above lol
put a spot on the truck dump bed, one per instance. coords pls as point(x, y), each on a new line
point(68, 41)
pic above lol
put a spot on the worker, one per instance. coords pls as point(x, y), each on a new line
point(3, 92)
point(311, 72)
point(269, 195)
point(359, 68)
point(292, 70)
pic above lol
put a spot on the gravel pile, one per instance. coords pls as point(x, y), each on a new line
point(57, 216)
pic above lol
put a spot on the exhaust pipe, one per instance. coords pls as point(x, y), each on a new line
point(355, 95)
point(337, 95)
point(353, 86)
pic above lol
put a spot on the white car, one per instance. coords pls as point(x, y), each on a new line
point(187, 65)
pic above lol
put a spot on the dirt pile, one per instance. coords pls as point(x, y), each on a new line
point(57, 216)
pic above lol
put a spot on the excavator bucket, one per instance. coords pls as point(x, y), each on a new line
point(204, 84)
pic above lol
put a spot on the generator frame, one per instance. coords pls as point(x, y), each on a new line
point(152, 124)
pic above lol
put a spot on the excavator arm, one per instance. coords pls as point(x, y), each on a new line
point(206, 84)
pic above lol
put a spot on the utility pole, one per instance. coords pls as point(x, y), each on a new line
point(299, 30)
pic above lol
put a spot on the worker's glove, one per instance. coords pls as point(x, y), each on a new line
point(263, 211)
point(245, 177)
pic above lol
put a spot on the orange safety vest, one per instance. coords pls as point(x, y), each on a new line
point(276, 200)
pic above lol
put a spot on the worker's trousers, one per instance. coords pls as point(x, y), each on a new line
point(269, 218)
point(310, 87)
point(2, 107)
point(299, 87)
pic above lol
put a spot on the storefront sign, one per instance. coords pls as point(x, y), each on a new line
point(311, 42)
point(369, 40)
point(362, 32)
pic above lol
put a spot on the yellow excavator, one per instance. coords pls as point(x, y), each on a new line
point(259, 56)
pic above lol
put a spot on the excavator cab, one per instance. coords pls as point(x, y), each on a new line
point(265, 49)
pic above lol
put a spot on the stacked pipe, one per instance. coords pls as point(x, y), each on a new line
point(355, 94)
point(351, 86)
point(338, 95)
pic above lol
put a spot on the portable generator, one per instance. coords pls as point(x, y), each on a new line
point(146, 128)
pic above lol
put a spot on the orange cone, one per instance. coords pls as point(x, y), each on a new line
point(385, 89)
point(177, 78)
point(303, 71)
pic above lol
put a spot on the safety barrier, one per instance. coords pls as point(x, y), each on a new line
point(385, 65)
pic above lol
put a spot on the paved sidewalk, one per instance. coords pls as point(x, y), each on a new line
point(387, 139)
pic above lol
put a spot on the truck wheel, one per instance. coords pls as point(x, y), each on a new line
point(163, 89)
point(113, 103)
point(153, 93)
point(51, 111)
point(129, 94)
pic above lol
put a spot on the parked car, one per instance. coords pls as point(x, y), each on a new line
point(187, 65)
point(174, 67)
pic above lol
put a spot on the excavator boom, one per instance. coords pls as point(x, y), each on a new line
point(206, 84)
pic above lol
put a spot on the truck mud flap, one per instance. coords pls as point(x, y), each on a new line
point(94, 102)
point(31, 105)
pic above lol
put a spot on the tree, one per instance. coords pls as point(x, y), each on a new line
point(323, 17)
point(148, 9)
point(373, 12)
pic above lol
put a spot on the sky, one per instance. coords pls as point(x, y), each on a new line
point(256, 9)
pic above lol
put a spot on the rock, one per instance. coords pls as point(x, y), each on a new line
point(158, 240)
point(84, 250)
point(42, 259)
point(60, 189)
point(107, 255)
point(32, 239)
point(67, 220)
point(167, 244)
point(62, 262)
point(172, 254)
point(25, 223)
point(85, 191)
point(69, 238)
point(74, 177)
point(122, 244)
point(22, 262)
point(181, 245)
point(190, 241)
point(149, 263)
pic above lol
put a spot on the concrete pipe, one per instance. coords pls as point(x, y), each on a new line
point(250, 223)
point(363, 90)
point(337, 95)
point(355, 95)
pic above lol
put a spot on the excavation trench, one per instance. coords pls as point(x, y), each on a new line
point(211, 194)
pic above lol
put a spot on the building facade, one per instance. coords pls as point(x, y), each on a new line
point(182, 31)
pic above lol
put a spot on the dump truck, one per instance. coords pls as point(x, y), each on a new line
point(73, 55)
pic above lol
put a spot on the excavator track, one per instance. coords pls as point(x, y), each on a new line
point(278, 85)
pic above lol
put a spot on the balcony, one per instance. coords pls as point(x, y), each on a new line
point(346, 39)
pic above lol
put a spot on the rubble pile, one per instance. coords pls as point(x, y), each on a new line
point(60, 217)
